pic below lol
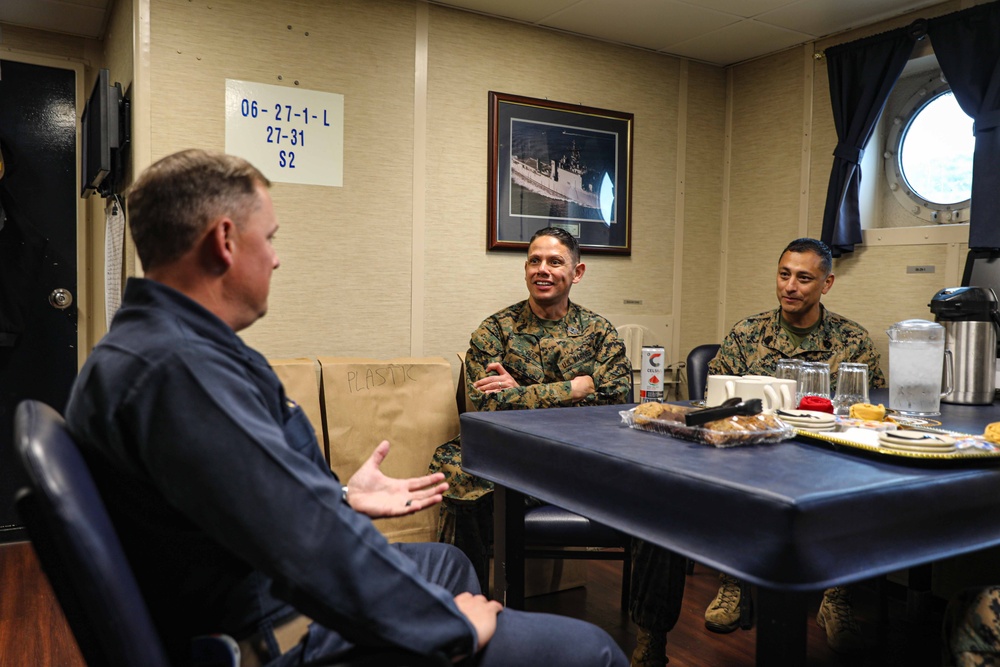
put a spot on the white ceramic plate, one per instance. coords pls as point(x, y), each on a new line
point(809, 416)
point(916, 439)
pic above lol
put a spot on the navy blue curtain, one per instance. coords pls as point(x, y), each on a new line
point(967, 45)
point(862, 74)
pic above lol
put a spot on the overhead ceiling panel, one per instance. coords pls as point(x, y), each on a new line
point(832, 16)
point(84, 18)
point(528, 11)
point(721, 32)
point(737, 42)
point(744, 8)
point(650, 24)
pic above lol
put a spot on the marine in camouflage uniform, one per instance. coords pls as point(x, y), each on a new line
point(543, 356)
point(755, 344)
point(972, 629)
point(753, 347)
point(548, 347)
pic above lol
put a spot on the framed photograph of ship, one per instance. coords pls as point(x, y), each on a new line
point(560, 165)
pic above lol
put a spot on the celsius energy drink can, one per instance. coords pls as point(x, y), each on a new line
point(651, 388)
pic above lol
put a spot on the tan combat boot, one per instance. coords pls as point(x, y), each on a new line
point(723, 614)
point(843, 634)
point(650, 649)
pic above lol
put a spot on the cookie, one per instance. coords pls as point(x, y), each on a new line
point(646, 412)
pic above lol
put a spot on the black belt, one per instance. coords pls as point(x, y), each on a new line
point(254, 651)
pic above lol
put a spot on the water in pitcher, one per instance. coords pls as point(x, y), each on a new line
point(916, 355)
point(916, 385)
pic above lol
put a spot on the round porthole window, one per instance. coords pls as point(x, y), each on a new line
point(928, 161)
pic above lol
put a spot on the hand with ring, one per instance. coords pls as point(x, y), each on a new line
point(492, 384)
point(377, 495)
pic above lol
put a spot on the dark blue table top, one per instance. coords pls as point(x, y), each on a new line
point(789, 516)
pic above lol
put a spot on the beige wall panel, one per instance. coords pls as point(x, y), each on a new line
point(343, 287)
point(706, 126)
point(114, 53)
point(118, 43)
point(471, 55)
point(873, 288)
point(764, 191)
point(28, 40)
point(823, 141)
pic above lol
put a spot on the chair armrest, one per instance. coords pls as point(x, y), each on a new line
point(215, 651)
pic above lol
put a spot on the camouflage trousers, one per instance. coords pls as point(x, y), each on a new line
point(467, 522)
point(466, 518)
point(972, 629)
point(657, 587)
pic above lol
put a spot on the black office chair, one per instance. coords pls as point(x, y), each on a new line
point(554, 533)
point(82, 558)
point(697, 369)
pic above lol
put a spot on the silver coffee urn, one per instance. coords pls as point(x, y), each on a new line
point(971, 322)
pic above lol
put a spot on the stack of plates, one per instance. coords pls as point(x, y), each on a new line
point(809, 420)
point(916, 441)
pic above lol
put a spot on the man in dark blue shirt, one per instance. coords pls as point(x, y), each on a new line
point(227, 511)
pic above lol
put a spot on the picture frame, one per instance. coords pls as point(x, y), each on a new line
point(561, 165)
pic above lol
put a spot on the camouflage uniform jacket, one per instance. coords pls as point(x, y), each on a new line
point(971, 628)
point(755, 344)
point(543, 358)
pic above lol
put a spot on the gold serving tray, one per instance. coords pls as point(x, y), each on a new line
point(969, 454)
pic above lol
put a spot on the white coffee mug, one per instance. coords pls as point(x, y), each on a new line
point(749, 388)
point(719, 388)
point(786, 392)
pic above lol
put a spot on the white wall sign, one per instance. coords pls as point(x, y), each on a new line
point(291, 135)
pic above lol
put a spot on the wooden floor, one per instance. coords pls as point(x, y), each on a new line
point(913, 643)
point(33, 631)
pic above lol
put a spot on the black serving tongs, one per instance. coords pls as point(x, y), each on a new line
point(733, 406)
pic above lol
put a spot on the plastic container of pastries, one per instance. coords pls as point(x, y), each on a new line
point(668, 419)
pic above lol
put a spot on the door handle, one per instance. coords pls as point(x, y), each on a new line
point(60, 298)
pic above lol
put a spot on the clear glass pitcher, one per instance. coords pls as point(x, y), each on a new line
point(916, 363)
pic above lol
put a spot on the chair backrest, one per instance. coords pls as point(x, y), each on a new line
point(635, 336)
point(697, 369)
point(78, 547)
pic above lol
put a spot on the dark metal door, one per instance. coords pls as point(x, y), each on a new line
point(38, 330)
